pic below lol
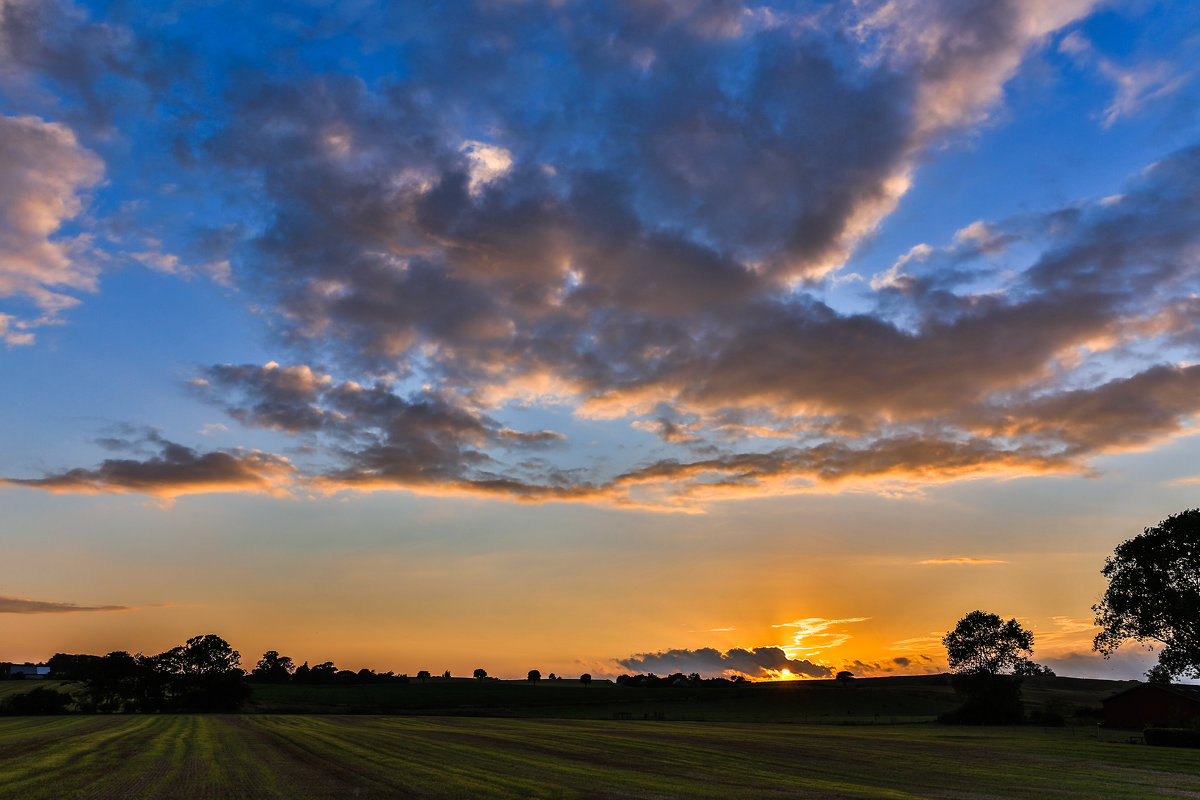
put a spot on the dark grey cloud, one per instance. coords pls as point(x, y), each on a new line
point(55, 39)
point(903, 665)
point(20, 605)
point(759, 662)
point(176, 470)
point(383, 439)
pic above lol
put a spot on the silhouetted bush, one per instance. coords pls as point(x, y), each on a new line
point(1172, 737)
point(678, 680)
point(36, 701)
point(988, 700)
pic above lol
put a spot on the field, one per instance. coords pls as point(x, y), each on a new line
point(263, 756)
point(870, 700)
point(464, 738)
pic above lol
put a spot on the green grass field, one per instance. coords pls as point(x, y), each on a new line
point(17, 687)
point(261, 756)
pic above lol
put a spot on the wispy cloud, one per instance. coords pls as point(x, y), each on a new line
point(813, 635)
point(1135, 86)
point(962, 560)
point(20, 605)
point(931, 642)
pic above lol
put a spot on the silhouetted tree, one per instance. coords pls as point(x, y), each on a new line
point(322, 673)
point(585, 679)
point(446, 674)
point(1153, 595)
point(845, 677)
point(71, 666)
point(273, 668)
point(988, 655)
point(301, 674)
point(479, 674)
point(534, 676)
point(982, 642)
point(1028, 669)
point(202, 675)
point(120, 682)
point(423, 675)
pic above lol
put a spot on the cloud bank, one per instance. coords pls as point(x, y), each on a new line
point(627, 214)
point(759, 662)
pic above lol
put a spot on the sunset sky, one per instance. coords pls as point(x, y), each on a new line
point(638, 335)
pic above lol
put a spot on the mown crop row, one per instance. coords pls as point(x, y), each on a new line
point(197, 756)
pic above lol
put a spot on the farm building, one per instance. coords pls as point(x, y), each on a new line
point(1162, 704)
point(28, 670)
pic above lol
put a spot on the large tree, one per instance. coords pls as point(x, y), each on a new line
point(202, 675)
point(989, 657)
point(984, 643)
point(1153, 595)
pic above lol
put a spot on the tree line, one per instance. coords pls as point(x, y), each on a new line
point(203, 674)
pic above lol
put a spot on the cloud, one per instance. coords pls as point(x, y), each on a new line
point(815, 634)
point(759, 662)
point(902, 665)
point(963, 52)
point(962, 560)
point(176, 470)
point(19, 605)
point(638, 238)
point(55, 40)
point(1085, 664)
point(42, 179)
point(1135, 86)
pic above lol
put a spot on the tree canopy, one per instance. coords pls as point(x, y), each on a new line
point(990, 658)
point(1153, 595)
point(274, 668)
point(984, 643)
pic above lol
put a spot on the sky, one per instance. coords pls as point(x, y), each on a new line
point(626, 336)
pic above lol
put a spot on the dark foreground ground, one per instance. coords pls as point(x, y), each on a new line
point(365, 756)
point(461, 738)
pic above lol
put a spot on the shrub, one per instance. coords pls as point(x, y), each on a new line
point(36, 701)
point(1172, 737)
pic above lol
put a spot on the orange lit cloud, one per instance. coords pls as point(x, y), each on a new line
point(962, 561)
